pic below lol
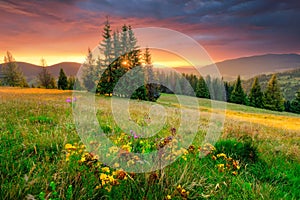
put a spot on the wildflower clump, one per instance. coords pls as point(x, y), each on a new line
point(225, 163)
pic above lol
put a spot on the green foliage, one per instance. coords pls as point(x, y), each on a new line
point(62, 80)
point(89, 72)
point(238, 95)
point(273, 97)
point(243, 150)
point(13, 75)
point(45, 78)
point(202, 89)
point(121, 56)
point(256, 95)
point(295, 104)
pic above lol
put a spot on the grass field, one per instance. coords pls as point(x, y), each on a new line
point(42, 156)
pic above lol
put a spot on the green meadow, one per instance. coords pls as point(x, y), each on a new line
point(42, 156)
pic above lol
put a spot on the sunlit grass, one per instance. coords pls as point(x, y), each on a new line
point(36, 125)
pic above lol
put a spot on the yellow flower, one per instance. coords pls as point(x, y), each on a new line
point(105, 169)
point(179, 187)
point(234, 173)
point(220, 167)
point(126, 147)
point(168, 197)
point(68, 146)
point(82, 146)
point(214, 157)
point(184, 158)
point(222, 155)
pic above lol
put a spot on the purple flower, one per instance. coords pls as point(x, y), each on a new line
point(68, 100)
point(135, 136)
point(74, 99)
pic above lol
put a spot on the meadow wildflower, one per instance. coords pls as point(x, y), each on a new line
point(221, 167)
point(105, 169)
point(222, 155)
point(168, 197)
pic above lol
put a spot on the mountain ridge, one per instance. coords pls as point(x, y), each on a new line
point(246, 67)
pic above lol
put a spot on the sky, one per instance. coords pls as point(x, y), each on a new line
point(59, 30)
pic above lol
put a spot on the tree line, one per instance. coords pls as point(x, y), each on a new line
point(12, 75)
point(217, 89)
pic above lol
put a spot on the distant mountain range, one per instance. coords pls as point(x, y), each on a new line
point(247, 67)
point(31, 71)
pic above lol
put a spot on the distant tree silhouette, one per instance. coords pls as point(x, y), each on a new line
point(12, 74)
point(45, 78)
point(256, 95)
point(273, 97)
point(62, 82)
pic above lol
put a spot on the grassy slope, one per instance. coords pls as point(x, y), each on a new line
point(35, 124)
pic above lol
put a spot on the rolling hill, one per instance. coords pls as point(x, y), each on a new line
point(288, 80)
point(249, 67)
point(31, 71)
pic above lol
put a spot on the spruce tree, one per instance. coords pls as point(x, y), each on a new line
point(202, 89)
point(295, 104)
point(107, 80)
point(89, 76)
point(62, 82)
point(151, 87)
point(273, 97)
point(256, 95)
point(13, 75)
point(228, 90)
point(238, 95)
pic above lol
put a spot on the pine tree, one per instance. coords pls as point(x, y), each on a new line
point(13, 76)
point(273, 97)
point(238, 95)
point(150, 78)
point(62, 80)
point(202, 89)
point(295, 104)
point(45, 78)
point(89, 76)
point(256, 95)
point(107, 80)
point(228, 90)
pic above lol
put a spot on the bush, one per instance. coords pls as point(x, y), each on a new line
point(242, 150)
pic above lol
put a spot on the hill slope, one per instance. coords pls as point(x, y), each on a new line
point(31, 71)
point(288, 80)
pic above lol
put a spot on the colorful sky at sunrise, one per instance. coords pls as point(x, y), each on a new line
point(63, 30)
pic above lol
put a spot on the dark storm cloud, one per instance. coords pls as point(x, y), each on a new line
point(269, 26)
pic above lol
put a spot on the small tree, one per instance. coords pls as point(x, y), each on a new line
point(45, 78)
point(295, 105)
point(273, 97)
point(238, 95)
point(62, 82)
point(256, 95)
point(13, 76)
